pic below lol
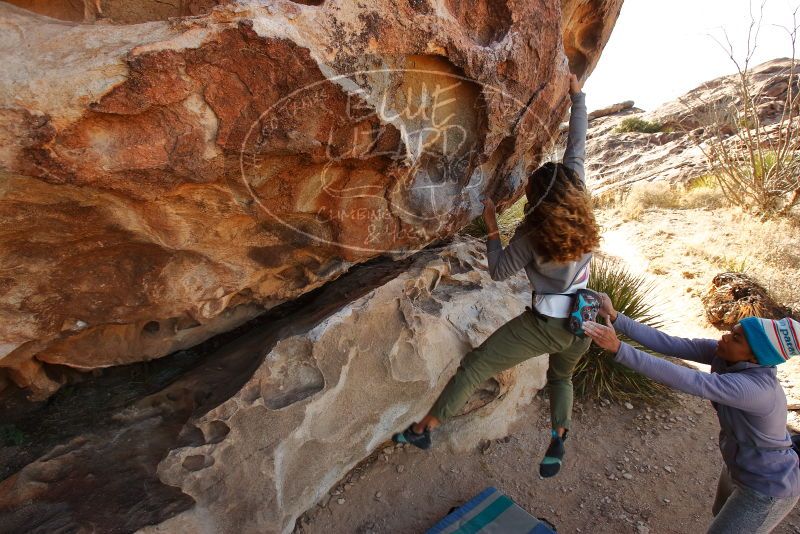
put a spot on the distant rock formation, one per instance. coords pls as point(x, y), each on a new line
point(172, 169)
point(617, 160)
point(613, 109)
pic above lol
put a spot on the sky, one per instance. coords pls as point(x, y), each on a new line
point(659, 50)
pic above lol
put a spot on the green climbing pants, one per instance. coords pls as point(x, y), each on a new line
point(526, 336)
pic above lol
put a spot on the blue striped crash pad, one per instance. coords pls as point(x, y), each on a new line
point(490, 512)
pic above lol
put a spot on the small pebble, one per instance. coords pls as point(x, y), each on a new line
point(629, 406)
point(340, 500)
point(378, 494)
point(627, 476)
point(400, 468)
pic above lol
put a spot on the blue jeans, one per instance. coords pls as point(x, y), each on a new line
point(741, 510)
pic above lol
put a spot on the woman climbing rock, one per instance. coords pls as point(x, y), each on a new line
point(553, 244)
point(760, 481)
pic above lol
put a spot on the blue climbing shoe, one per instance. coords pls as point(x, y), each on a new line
point(423, 441)
point(551, 464)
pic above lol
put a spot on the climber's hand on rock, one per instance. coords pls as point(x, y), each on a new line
point(604, 337)
point(489, 210)
point(490, 216)
point(575, 86)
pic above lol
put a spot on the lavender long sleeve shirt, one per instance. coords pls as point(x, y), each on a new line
point(748, 398)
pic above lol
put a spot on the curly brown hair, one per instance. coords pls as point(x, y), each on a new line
point(559, 215)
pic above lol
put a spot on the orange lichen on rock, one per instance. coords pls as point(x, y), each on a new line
point(190, 166)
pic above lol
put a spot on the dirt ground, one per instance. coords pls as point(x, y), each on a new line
point(641, 469)
point(626, 470)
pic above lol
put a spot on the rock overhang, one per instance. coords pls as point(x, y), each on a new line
point(152, 179)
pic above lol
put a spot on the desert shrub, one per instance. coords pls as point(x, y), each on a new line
point(609, 198)
point(705, 181)
point(763, 182)
point(733, 264)
point(644, 196)
point(703, 192)
point(756, 163)
point(704, 198)
point(635, 124)
point(597, 374)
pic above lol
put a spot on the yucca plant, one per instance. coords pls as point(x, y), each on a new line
point(597, 374)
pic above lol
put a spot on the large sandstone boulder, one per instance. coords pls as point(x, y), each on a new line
point(164, 179)
point(261, 429)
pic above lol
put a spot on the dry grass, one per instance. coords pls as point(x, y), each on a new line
point(768, 251)
point(703, 193)
point(704, 197)
point(646, 196)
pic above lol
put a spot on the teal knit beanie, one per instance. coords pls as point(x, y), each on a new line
point(772, 341)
